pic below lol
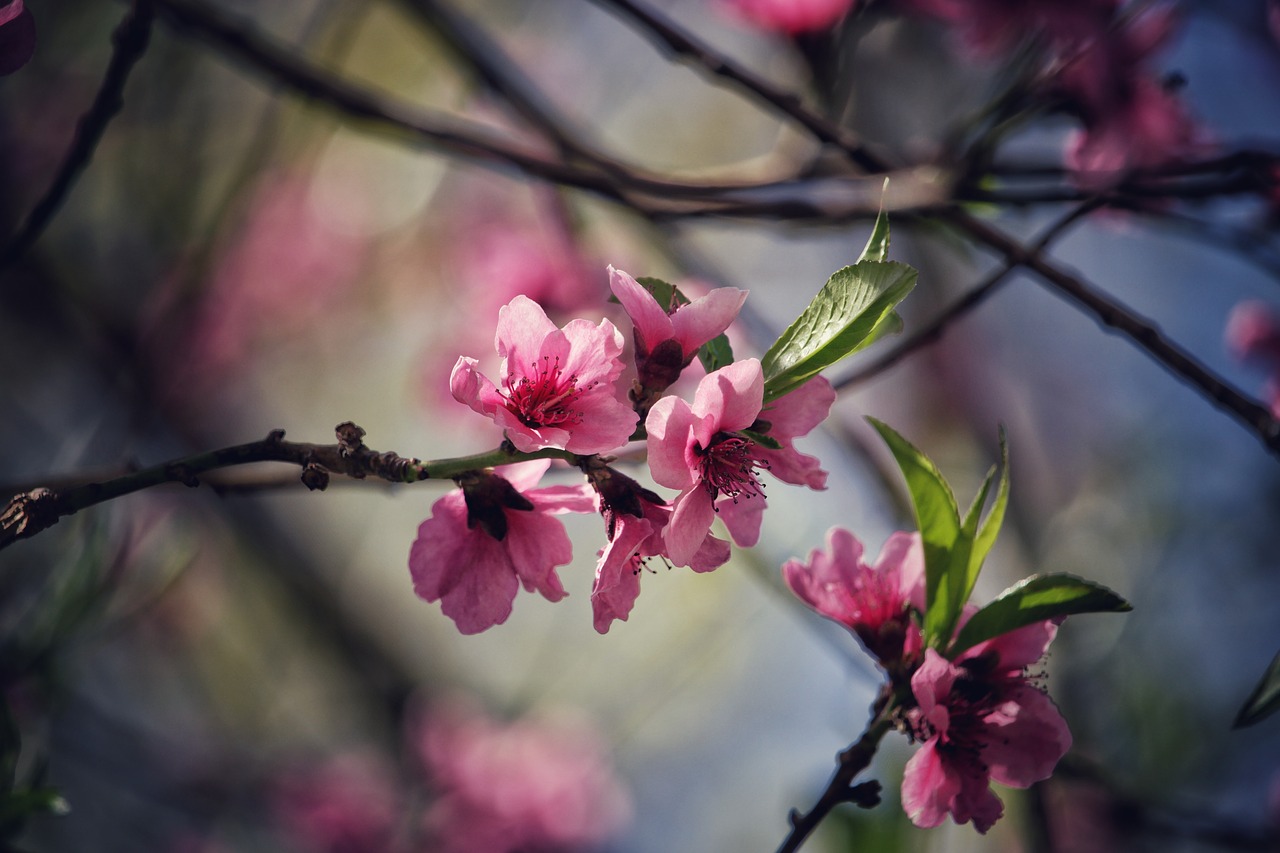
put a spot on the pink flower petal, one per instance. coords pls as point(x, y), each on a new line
point(1028, 737)
point(706, 317)
point(651, 321)
point(733, 395)
point(670, 429)
point(691, 519)
point(743, 518)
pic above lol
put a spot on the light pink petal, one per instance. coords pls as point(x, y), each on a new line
point(537, 543)
point(798, 412)
point(558, 499)
point(607, 424)
point(617, 577)
point(927, 788)
point(594, 353)
point(713, 554)
point(1019, 648)
point(903, 553)
point(651, 322)
point(691, 520)
point(522, 328)
point(524, 476)
point(732, 395)
point(743, 518)
point(469, 386)
point(528, 439)
point(670, 427)
point(704, 318)
point(976, 802)
point(1027, 737)
point(791, 466)
point(827, 582)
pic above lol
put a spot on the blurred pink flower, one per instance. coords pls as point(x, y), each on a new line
point(980, 718)
point(530, 785)
point(1253, 334)
point(350, 804)
point(667, 338)
point(17, 36)
point(558, 385)
point(874, 602)
point(482, 542)
point(633, 539)
point(989, 28)
point(791, 16)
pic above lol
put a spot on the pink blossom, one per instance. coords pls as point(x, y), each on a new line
point(792, 16)
point(350, 804)
point(632, 540)
point(981, 718)
point(558, 385)
point(482, 542)
point(17, 36)
point(1253, 334)
point(794, 414)
point(700, 450)
point(528, 785)
point(874, 602)
point(668, 337)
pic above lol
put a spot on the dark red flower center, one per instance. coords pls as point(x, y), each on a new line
point(547, 396)
point(728, 467)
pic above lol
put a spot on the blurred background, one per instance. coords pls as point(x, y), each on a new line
point(246, 668)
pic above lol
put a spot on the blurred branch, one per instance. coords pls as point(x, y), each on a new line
point(38, 509)
point(971, 300)
point(130, 39)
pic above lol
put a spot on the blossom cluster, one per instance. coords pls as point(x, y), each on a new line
point(558, 393)
point(978, 717)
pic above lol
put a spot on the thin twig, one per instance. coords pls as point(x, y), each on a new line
point(130, 39)
point(38, 509)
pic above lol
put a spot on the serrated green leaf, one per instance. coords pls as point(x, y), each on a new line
point(1264, 700)
point(1036, 599)
point(877, 248)
point(891, 324)
point(939, 521)
point(840, 320)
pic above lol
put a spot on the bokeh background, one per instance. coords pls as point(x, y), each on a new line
point(237, 258)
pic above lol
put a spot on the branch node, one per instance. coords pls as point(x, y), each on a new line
point(865, 795)
point(275, 436)
point(27, 514)
point(794, 817)
point(315, 477)
point(181, 474)
point(350, 439)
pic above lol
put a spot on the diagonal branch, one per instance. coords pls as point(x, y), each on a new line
point(130, 39)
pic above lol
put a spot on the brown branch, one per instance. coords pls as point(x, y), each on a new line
point(840, 789)
point(40, 508)
point(130, 39)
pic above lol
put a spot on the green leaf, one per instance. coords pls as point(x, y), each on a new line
point(761, 439)
point(842, 318)
point(877, 248)
point(939, 521)
point(1036, 599)
point(715, 353)
point(1265, 699)
point(990, 529)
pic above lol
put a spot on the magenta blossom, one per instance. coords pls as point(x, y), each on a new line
point(874, 602)
point(794, 414)
point(350, 804)
point(528, 785)
point(482, 542)
point(557, 383)
point(701, 451)
point(981, 718)
point(633, 540)
point(668, 337)
point(792, 16)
